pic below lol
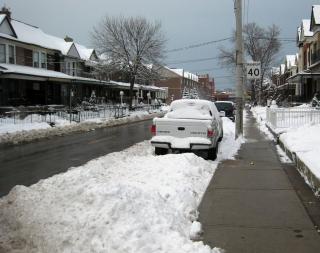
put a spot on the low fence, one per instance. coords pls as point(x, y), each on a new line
point(74, 115)
point(292, 117)
point(52, 117)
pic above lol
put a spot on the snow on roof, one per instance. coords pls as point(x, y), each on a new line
point(152, 88)
point(34, 35)
point(306, 28)
point(39, 72)
point(19, 69)
point(2, 17)
point(186, 74)
point(299, 33)
point(85, 53)
point(316, 14)
point(290, 61)
point(282, 68)
point(138, 86)
point(126, 85)
point(276, 70)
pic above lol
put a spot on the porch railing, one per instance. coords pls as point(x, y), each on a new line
point(292, 117)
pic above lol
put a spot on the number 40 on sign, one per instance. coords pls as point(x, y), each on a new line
point(253, 70)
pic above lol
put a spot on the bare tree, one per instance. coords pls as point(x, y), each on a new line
point(260, 44)
point(132, 45)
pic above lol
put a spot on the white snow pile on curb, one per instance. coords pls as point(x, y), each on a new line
point(130, 201)
point(34, 131)
point(260, 113)
point(304, 141)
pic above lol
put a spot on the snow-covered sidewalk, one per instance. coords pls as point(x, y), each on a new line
point(130, 201)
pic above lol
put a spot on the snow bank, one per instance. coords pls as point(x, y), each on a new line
point(12, 128)
point(304, 141)
point(260, 113)
point(130, 201)
point(17, 133)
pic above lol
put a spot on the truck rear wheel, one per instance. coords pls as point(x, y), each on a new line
point(221, 137)
point(160, 151)
point(212, 153)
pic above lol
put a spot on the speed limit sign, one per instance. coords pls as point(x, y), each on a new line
point(253, 70)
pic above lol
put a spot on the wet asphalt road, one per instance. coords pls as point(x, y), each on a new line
point(26, 164)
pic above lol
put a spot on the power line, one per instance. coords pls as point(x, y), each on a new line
point(197, 45)
point(194, 60)
point(223, 77)
point(210, 69)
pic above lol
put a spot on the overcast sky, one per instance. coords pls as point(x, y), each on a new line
point(184, 22)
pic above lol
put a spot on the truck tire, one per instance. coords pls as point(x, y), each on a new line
point(212, 153)
point(160, 151)
point(221, 137)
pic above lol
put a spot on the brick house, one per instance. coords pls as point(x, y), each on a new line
point(180, 83)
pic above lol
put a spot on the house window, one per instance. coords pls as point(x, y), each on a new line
point(3, 53)
point(73, 68)
point(36, 59)
point(68, 68)
point(43, 60)
point(11, 55)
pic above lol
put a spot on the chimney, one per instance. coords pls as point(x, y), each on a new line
point(6, 11)
point(68, 39)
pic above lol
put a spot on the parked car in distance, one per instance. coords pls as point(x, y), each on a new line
point(189, 125)
point(227, 107)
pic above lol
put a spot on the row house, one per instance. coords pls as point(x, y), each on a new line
point(206, 86)
point(178, 82)
point(307, 78)
point(279, 78)
point(40, 69)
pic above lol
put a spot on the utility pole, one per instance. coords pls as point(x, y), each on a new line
point(239, 69)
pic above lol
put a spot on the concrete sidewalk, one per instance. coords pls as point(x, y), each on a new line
point(251, 205)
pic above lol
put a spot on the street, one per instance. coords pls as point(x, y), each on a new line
point(27, 164)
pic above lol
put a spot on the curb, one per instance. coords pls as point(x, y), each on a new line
point(302, 168)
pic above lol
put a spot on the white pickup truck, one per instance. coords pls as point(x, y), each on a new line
point(190, 124)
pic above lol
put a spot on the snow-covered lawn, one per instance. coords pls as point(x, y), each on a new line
point(129, 201)
point(304, 141)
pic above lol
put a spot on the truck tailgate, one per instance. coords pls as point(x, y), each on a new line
point(182, 128)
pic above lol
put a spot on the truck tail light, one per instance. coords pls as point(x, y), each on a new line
point(153, 129)
point(210, 133)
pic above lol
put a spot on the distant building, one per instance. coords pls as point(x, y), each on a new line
point(206, 86)
point(178, 82)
